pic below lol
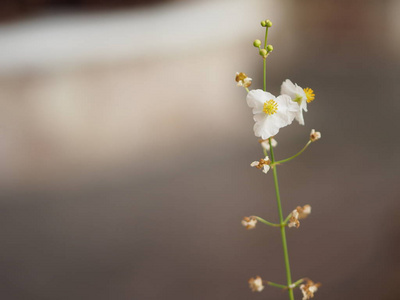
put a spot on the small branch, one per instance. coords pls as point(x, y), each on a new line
point(287, 219)
point(266, 222)
point(294, 156)
point(276, 285)
point(297, 283)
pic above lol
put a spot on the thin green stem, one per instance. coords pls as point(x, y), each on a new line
point(265, 61)
point(267, 223)
point(296, 284)
point(265, 74)
point(266, 37)
point(281, 286)
point(287, 218)
point(278, 198)
point(283, 232)
point(247, 89)
point(265, 152)
point(294, 156)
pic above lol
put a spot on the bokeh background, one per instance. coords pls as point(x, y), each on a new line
point(125, 149)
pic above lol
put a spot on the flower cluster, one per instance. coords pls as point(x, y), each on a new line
point(272, 113)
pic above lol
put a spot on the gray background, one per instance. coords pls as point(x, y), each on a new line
point(127, 178)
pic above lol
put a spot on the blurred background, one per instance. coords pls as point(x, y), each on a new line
point(125, 148)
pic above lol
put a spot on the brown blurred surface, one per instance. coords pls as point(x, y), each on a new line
point(155, 213)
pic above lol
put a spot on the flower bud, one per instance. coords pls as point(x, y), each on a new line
point(270, 48)
point(257, 43)
point(268, 23)
point(263, 53)
point(263, 24)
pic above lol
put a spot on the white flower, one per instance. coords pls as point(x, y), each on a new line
point(263, 164)
point(315, 135)
point(265, 144)
point(309, 289)
point(298, 95)
point(256, 284)
point(270, 113)
point(249, 222)
point(242, 79)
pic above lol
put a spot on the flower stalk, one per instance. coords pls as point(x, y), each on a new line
point(268, 223)
point(278, 197)
point(294, 156)
point(281, 286)
point(270, 114)
point(283, 232)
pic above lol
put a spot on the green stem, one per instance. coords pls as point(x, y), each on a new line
point(294, 156)
point(247, 89)
point(266, 37)
point(265, 74)
point(276, 285)
point(278, 198)
point(287, 218)
point(266, 222)
point(298, 282)
point(265, 61)
point(283, 232)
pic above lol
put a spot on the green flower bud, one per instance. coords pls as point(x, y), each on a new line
point(270, 48)
point(263, 23)
point(263, 53)
point(257, 43)
point(268, 23)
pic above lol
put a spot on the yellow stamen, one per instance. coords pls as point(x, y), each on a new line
point(270, 107)
point(309, 94)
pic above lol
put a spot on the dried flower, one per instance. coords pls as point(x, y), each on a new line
point(256, 284)
point(294, 219)
point(303, 211)
point(315, 135)
point(249, 222)
point(297, 214)
point(309, 289)
point(243, 80)
point(265, 143)
point(270, 113)
point(262, 164)
point(298, 95)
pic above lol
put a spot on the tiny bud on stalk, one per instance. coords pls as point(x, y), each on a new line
point(270, 48)
point(263, 53)
point(257, 43)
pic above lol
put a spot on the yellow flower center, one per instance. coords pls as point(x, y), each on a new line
point(309, 94)
point(270, 107)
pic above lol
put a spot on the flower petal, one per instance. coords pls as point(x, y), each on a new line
point(269, 125)
point(288, 88)
point(256, 99)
